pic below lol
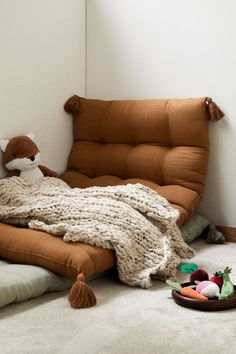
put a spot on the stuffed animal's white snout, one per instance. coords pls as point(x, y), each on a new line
point(24, 163)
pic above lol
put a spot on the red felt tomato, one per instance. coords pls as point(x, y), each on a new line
point(218, 279)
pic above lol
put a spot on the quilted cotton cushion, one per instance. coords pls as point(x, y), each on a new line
point(28, 246)
point(162, 142)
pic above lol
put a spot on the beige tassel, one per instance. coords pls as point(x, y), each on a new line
point(72, 105)
point(213, 111)
point(81, 295)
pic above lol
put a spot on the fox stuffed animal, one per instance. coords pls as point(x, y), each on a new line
point(21, 157)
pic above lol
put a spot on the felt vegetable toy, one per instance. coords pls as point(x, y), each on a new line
point(186, 291)
point(218, 279)
point(198, 276)
point(208, 289)
point(227, 290)
point(189, 268)
point(21, 157)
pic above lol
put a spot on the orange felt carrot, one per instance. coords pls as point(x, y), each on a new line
point(193, 294)
point(186, 290)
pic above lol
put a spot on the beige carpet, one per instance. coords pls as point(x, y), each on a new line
point(126, 320)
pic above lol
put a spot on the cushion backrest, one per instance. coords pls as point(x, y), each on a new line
point(161, 140)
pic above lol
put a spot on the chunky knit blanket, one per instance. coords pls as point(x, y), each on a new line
point(133, 220)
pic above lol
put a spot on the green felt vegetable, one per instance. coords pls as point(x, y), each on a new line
point(189, 268)
point(174, 284)
point(227, 290)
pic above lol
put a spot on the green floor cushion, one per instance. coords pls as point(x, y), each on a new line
point(20, 282)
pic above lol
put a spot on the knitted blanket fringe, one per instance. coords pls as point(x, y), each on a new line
point(133, 220)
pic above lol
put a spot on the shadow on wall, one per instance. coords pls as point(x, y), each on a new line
point(215, 203)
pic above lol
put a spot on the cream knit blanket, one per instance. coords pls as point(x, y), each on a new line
point(133, 220)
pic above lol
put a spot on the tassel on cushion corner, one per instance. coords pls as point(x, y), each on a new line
point(213, 110)
point(81, 295)
point(72, 105)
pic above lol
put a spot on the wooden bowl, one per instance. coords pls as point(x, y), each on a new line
point(204, 305)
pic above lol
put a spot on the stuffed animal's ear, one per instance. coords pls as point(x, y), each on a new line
point(31, 136)
point(3, 145)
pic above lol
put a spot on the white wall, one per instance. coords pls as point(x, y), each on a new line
point(169, 48)
point(42, 63)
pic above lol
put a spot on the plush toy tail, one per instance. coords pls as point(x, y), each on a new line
point(214, 111)
point(81, 295)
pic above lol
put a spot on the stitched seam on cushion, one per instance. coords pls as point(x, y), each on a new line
point(38, 255)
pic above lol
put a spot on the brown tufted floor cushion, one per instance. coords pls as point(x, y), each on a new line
point(160, 143)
